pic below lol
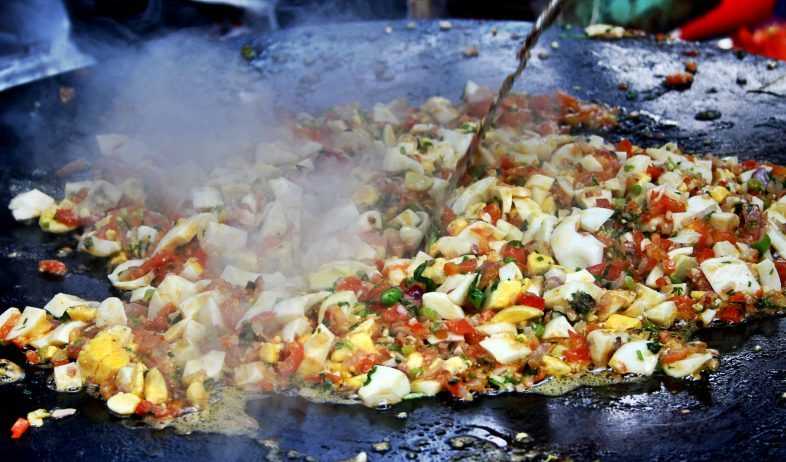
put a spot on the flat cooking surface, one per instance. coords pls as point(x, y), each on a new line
point(739, 406)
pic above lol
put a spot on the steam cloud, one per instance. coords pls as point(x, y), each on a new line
point(195, 115)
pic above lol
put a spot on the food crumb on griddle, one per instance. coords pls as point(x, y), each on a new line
point(679, 80)
point(52, 267)
point(471, 52)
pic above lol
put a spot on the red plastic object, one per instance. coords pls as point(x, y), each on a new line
point(727, 18)
point(767, 41)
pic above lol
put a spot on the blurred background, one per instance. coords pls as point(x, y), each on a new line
point(40, 38)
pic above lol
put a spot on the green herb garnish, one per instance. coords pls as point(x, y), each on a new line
point(762, 245)
point(582, 302)
point(391, 296)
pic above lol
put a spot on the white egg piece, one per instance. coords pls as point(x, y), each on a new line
point(61, 302)
point(505, 348)
point(441, 303)
point(117, 280)
point(729, 274)
point(386, 386)
point(634, 358)
point(111, 312)
point(29, 204)
point(573, 249)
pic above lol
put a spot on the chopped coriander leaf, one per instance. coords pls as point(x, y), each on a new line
point(582, 302)
point(654, 346)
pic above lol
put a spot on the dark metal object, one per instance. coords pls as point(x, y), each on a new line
point(544, 21)
point(35, 42)
point(738, 413)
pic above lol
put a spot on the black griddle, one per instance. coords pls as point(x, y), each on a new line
point(737, 413)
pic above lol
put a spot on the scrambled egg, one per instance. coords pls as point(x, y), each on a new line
point(104, 355)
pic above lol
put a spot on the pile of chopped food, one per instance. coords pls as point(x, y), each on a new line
point(558, 256)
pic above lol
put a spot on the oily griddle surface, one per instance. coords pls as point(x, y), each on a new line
point(736, 413)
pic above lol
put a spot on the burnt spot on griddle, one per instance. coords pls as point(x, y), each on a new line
point(708, 115)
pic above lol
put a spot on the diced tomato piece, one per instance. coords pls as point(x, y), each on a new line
point(460, 326)
point(67, 217)
point(684, 307)
point(393, 314)
point(597, 270)
point(778, 171)
point(143, 408)
point(464, 267)
point(505, 162)
point(738, 298)
point(672, 356)
point(32, 357)
point(364, 364)
point(373, 295)
point(662, 203)
point(457, 389)
point(532, 300)
point(567, 101)
point(418, 329)
point(463, 327)
point(578, 350)
point(679, 80)
point(155, 263)
point(705, 253)
point(720, 236)
point(292, 357)
point(603, 203)
point(748, 164)
point(625, 146)
point(615, 269)
point(516, 252)
point(352, 283)
point(494, 212)
point(654, 172)
point(19, 428)
point(53, 267)
point(441, 334)
point(638, 237)
point(731, 313)
point(6, 328)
